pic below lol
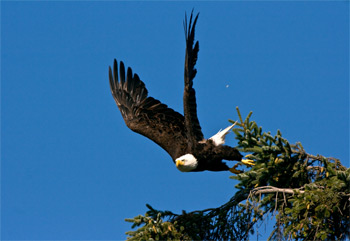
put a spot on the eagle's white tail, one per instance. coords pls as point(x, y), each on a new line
point(219, 138)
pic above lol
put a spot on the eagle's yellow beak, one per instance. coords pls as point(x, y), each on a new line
point(179, 163)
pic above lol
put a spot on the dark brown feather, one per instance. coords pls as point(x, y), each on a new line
point(194, 131)
point(146, 115)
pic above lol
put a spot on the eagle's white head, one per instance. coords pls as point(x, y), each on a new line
point(186, 163)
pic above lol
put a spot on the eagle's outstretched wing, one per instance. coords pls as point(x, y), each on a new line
point(146, 115)
point(194, 131)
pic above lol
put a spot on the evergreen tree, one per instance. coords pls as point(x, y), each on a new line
point(308, 195)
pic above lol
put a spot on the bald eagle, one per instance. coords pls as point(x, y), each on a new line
point(179, 135)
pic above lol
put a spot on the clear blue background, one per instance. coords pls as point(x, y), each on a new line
point(71, 169)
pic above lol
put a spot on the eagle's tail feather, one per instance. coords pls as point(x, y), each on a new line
point(219, 138)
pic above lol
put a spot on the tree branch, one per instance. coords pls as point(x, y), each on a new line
point(270, 189)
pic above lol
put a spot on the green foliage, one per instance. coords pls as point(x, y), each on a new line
point(309, 196)
point(231, 221)
point(155, 229)
point(310, 193)
point(322, 210)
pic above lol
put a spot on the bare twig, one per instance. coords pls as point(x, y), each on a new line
point(270, 189)
point(314, 168)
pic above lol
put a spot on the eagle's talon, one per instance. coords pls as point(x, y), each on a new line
point(248, 162)
point(234, 170)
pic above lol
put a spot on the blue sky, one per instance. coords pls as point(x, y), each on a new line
point(71, 169)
